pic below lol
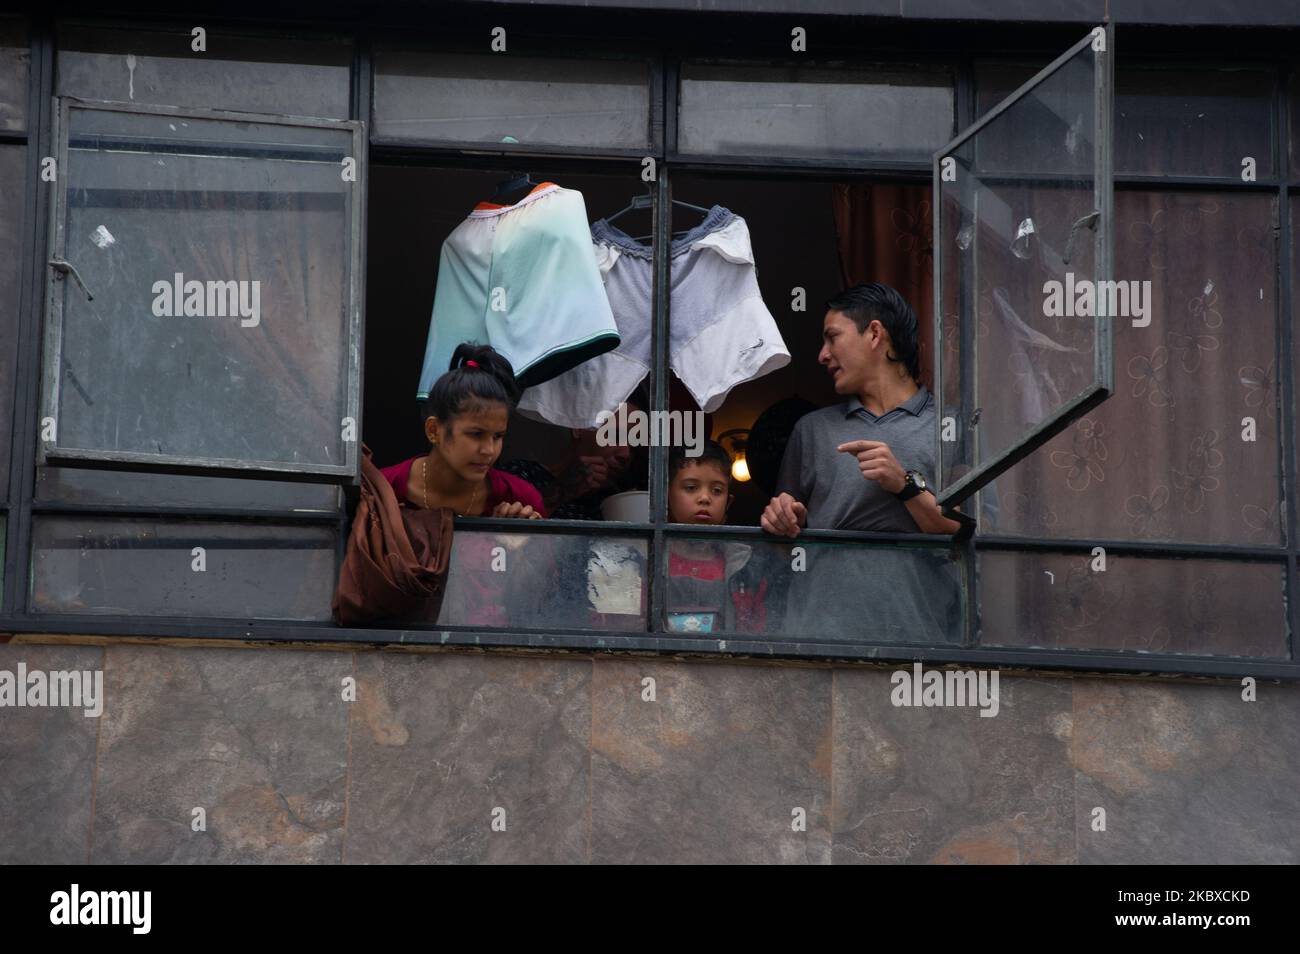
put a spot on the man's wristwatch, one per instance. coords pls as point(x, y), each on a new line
point(913, 484)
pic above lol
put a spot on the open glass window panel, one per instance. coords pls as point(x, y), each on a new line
point(203, 306)
point(1022, 267)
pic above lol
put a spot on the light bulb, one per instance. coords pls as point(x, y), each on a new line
point(740, 469)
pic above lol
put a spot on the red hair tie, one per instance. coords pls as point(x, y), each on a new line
point(471, 364)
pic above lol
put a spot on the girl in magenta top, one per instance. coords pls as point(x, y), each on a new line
point(466, 415)
point(502, 488)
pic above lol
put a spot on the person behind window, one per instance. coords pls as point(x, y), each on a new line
point(883, 433)
point(712, 587)
point(864, 464)
point(467, 411)
point(574, 486)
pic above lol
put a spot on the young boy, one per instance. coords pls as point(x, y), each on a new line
point(712, 587)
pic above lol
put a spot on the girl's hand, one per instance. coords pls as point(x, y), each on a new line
point(516, 509)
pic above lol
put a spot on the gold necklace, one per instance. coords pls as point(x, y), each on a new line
point(424, 488)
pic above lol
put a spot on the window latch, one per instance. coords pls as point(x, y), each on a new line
point(67, 268)
point(1088, 221)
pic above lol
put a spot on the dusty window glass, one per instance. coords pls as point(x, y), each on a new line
point(457, 97)
point(546, 580)
point(1172, 122)
point(12, 240)
point(882, 113)
point(139, 567)
point(139, 489)
point(279, 75)
point(1023, 216)
point(1196, 606)
point(15, 65)
point(223, 327)
point(813, 591)
point(1187, 447)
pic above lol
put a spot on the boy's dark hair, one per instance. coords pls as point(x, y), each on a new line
point(489, 379)
point(878, 302)
point(713, 451)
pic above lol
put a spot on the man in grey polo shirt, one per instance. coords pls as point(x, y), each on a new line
point(864, 464)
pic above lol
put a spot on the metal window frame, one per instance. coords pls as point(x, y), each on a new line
point(1153, 63)
point(533, 47)
point(681, 157)
point(983, 473)
point(22, 464)
point(15, 619)
point(51, 355)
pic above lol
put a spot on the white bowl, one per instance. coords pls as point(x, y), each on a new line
point(632, 506)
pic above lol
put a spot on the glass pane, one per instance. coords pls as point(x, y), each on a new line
point(546, 580)
point(815, 591)
point(455, 97)
point(12, 241)
point(884, 113)
point(1200, 607)
point(15, 64)
point(1184, 123)
point(252, 74)
point(1017, 245)
point(219, 257)
point(119, 488)
point(1173, 122)
point(150, 568)
point(1187, 448)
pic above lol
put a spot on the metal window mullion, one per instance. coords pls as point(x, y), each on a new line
point(672, 104)
point(1104, 197)
point(964, 102)
point(657, 112)
point(360, 109)
point(22, 463)
point(662, 229)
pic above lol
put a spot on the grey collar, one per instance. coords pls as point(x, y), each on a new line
point(913, 405)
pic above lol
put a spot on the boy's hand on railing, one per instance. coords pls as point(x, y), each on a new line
point(784, 516)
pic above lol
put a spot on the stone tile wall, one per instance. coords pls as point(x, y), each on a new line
point(569, 756)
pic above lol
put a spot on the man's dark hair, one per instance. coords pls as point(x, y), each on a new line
point(877, 302)
point(713, 451)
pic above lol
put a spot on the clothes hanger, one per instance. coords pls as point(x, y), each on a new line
point(517, 181)
point(643, 202)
